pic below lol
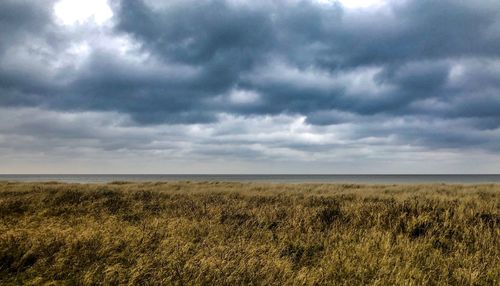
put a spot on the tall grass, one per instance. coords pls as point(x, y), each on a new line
point(216, 233)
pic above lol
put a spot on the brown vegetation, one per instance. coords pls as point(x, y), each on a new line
point(231, 234)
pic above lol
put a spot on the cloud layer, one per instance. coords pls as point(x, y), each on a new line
point(253, 83)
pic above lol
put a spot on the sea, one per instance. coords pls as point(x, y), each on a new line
point(274, 178)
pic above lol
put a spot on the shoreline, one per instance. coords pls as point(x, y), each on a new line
point(254, 183)
point(275, 179)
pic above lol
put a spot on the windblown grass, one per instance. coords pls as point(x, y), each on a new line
point(230, 234)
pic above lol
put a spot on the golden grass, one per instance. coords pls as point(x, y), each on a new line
point(261, 234)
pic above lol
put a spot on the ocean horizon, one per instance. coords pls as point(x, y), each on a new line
point(263, 178)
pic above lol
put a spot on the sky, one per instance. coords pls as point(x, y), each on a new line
point(240, 86)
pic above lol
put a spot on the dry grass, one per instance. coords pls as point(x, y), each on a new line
point(231, 234)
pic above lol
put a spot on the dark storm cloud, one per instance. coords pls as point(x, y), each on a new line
point(229, 40)
point(22, 19)
point(200, 32)
point(437, 61)
point(29, 42)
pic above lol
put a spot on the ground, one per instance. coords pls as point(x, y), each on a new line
point(215, 233)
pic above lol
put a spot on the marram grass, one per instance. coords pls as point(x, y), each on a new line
point(248, 234)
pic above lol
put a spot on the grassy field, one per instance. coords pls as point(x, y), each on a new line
point(231, 234)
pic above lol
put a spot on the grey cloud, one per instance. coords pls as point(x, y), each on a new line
point(72, 137)
point(189, 56)
point(404, 42)
point(22, 19)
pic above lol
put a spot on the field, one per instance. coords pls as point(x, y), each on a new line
point(213, 233)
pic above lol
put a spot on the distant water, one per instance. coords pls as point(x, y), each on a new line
point(357, 179)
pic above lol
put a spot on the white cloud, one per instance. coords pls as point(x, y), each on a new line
point(71, 12)
point(243, 97)
point(355, 4)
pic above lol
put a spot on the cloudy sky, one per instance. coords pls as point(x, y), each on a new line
point(249, 86)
